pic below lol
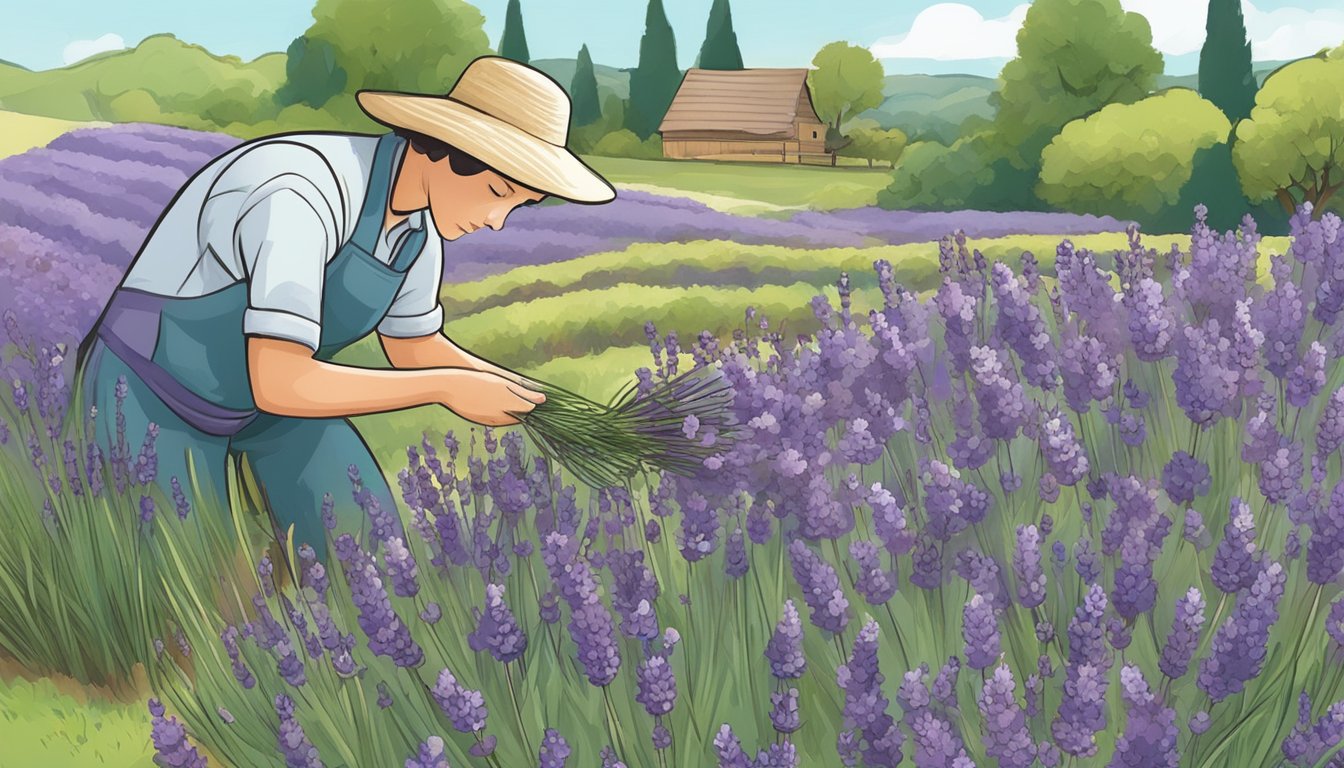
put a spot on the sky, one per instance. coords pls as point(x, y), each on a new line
point(974, 37)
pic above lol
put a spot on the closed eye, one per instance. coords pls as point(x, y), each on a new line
point(496, 194)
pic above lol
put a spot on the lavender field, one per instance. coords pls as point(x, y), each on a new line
point(1085, 516)
point(74, 213)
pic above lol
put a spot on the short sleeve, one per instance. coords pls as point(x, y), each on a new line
point(276, 213)
point(416, 310)
point(284, 244)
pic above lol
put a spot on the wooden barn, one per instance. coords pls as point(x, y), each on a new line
point(760, 115)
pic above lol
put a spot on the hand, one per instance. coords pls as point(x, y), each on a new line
point(486, 398)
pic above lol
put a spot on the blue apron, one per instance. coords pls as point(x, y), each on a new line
point(191, 352)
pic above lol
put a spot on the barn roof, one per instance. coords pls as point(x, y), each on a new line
point(760, 101)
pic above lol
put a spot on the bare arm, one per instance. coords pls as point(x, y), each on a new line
point(286, 380)
point(438, 351)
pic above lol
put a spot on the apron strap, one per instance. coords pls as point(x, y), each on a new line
point(371, 213)
point(410, 247)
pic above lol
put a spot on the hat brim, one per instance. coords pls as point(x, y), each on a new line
point(537, 163)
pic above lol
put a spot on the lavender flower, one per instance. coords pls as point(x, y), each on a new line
point(1235, 566)
point(1238, 650)
point(1184, 637)
point(1195, 532)
point(876, 584)
point(170, 740)
point(784, 714)
point(729, 750)
point(1006, 736)
point(388, 635)
point(429, 755)
point(554, 750)
point(464, 707)
point(1185, 478)
point(865, 705)
point(657, 686)
point(1063, 453)
point(1151, 732)
point(496, 629)
point(936, 743)
point(1027, 567)
point(784, 650)
point(1082, 711)
point(981, 632)
point(299, 752)
point(821, 588)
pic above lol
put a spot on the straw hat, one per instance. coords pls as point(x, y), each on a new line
point(512, 117)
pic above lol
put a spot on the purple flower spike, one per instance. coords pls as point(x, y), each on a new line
point(170, 741)
point(1151, 732)
point(1027, 567)
point(1006, 736)
point(865, 705)
point(981, 632)
point(485, 747)
point(728, 749)
point(1184, 637)
point(875, 583)
point(388, 635)
point(784, 714)
point(784, 650)
point(657, 686)
point(1235, 565)
point(1238, 649)
point(299, 752)
point(1082, 711)
point(936, 742)
point(465, 708)
point(821, 588)
point(1185, 478)
point(496, 629)
point(554, 750)
point(430, 754)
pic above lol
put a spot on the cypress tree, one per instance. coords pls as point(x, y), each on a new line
point(654, 82)
point(720, 49)
point(513, 43)
point(585, 107)
point(1226, 77)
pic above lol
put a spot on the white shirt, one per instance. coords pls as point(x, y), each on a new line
point(273, 212)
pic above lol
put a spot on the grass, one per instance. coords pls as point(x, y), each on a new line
point(46, 723)
point(821, 187)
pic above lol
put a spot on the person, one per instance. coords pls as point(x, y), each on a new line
point(286, 250)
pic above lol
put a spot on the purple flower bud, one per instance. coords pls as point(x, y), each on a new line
point(657, 686)
point(821, 588)
point(1006, 736)
point(1184, 637)
point(429, 755)
point(496, 629)
point(1235, 565)
point(299, 752)
point(784, 713)
point(171, 746)
point(981, 632)
point(464, 707)
point(1200, 722)
point(554, 750)
point(1027, 567)
point(784, 650)
point(1239, 645)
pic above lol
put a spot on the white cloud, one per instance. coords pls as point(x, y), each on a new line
point(83, 49)
point(955, 31)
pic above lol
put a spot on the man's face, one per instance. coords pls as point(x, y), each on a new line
point(460, 205)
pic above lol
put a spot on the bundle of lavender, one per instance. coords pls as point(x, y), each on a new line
point(673, 427)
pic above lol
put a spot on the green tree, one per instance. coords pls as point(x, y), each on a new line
point(423, 47)
point(1130, 160)
point(513, 43)
point(312, 75)
point(846, 81)
point(873, 143)
point(1226, 77)
point(1291, 148)
point(1073, 57)
point(720, 50)
point(654, 82)
point(585, 107)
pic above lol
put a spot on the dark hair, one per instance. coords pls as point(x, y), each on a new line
point(463, 164)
